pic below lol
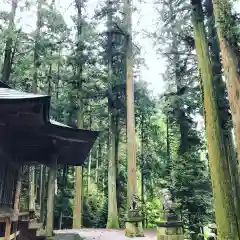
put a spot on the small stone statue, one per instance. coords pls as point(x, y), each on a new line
point(133, 205)
point(168, 206)
point(167, 199)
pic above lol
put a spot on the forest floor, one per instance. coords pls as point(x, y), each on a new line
point(108, 234)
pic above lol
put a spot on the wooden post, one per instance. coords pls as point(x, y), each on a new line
point(16, 203)
point(8, 229)
point(43, 196)
point(17, 193)
point(51, 194)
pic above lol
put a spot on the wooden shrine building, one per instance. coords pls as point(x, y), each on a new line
point(28, 136)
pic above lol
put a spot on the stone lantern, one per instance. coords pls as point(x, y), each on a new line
point(169, 227)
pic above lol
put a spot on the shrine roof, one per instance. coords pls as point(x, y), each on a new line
point(8, 93)
point(26, 117)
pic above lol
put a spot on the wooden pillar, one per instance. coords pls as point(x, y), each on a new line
point(17, 193)
point(8, 229)
point(16, 203)
point(50, 196)
point(43, 195)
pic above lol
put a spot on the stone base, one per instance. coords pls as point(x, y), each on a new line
point(170, 231)
point(133, 229)
point(170, 237)
point(67, 236)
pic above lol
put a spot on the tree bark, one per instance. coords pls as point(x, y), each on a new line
point(43, 194)
point(51, 193)
point(112, 221)
point(77, 217)
point(117, 135)
point(7, 64)
point(77, 214)
point(89, 160)
point(63, 186)
point(131, 135)
point(132, 229)
point(221, 182)
point(32, 190)
point(99, 158)
point(49, 77)
point(112, 194)
point(223, 105)
point(36, 58)
point(231, 61)
point(142, 167)
point(17, 192)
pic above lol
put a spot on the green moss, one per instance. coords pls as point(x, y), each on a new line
point(133, 229)
point(113, 223)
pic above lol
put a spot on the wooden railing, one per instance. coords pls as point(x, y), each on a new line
point(9, 224)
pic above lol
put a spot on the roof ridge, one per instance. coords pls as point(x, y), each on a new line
point(4, 85)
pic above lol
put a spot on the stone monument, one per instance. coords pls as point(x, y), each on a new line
point(169, 227)
point(134, 218)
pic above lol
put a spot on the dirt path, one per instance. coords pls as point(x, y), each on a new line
point(106, 234)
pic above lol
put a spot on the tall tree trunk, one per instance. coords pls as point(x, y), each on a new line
point(132, 229)
point(223, 105)
point(32, 190)
point(226, 27)
point(222, 190)
point(58, 75)
point(17, 192)
point(7, 64)
point(168, 148)
point(50, 198)
point(43, 194)
point(32, 195)
point(99, 158)
point(117, 135)
point(112, 221)
point(142, 167)
point(89, 159)
point(112, 194)
point(63, 186)
point(77, 211)
point(49, 78)
point(36, 58)
point(40, 186)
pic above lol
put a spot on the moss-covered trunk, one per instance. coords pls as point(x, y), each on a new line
point(131, 136)
point(112, 193)
point(78, 205)
point(43, 195)
point(17, 191)
point(32, 190)
point(221, 181)
point(50, 196)
point(98, 160)
point(36, 58)
point(132, 229)
point(36, 62)
point(112, 221)
point(89, 159)
point(63, 193)
point(223, 104)
point(230, 57)
point(142, 169)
